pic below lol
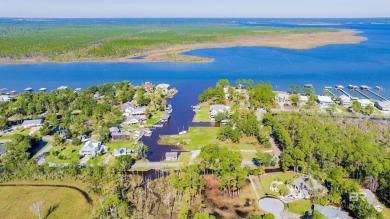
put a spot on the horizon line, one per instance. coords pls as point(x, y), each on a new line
point(195, 17)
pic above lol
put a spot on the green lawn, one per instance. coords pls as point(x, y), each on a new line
point(120, 144)
point(156, 117)
point(386, 212)
point(203, 115)
point(198, 137)
point(70, 152)
point(267, 179)
point(67, 202)
point(299, 207)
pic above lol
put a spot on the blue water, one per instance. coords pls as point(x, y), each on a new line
point(365, 63)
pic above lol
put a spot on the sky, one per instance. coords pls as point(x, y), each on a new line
point(194, 8)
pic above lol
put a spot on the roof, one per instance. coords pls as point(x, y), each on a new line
point(364, 101)
point(125, 133)
point(91, 144)
point(5, 97)
point(219, 107)
point(166, 116)
point(163, 86)
point(126, 106)
point(32, 122)
point(283, 96)
point(114, 129)
point(325, 99)
point(331, 212)
point(384, 104)
point(171, 154)
point(371, 198)
point(303, 98)
point(138, 110)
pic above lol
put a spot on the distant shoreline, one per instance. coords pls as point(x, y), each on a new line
point(173, 53)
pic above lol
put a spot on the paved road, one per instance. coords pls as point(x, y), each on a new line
point(277, 151)
point(41, 156)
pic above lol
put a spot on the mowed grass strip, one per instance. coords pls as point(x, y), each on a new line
point(66, 202)
point(299, 207)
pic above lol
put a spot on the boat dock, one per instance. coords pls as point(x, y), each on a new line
point(369, 90)
point(341, 89)
point(331, 93)
point(363, 94)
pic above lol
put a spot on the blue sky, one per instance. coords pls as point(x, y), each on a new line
point(194, 8)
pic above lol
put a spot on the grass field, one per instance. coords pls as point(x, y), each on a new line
point(198, 137)
point(203, 115)
point(64, 202)
point(299, 207)
point(70, 153)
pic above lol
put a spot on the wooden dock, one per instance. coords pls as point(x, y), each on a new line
point(363, 94)
point(369, 90)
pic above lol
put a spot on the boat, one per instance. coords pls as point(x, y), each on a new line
point(379, 87)
point(42, 89)
point(339, 87)
point(364, 87)
point(62, 88)
point(308, 86)
point(29, 89)
point(169, 108)
point(182, 132)
point(328, 87)
point(148, 133)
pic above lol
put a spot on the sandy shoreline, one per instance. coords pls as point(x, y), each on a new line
point(172, 53)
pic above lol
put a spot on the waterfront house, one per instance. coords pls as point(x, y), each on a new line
point(365, 102)
point(345, 100)
point(32, 123)
point(282, 97)
point(92, 148)
point(122, 151)
point(114, 130)
point(163, 87)
point(325, 100)
point(137, 111)
point(171, 156)
point(372, 200)
point(303, 99)
point(215, 109)
point(97, 96)
point(383, 105)
point(331, 212)
point(5, 98)
point(126, 107)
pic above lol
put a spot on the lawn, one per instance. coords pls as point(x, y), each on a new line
point(70, 153)
point(386, 212)
point(155, 118)
point(65, 202)
point(203, 115)
point(299, 207)
point(120, 144)
point(198, 137)
point(267, 179)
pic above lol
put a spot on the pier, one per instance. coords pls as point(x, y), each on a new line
point(363, 94)
point(343, 91)
point(369, 90)
point(331, 93)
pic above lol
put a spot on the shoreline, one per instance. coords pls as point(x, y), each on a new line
point(173, 53)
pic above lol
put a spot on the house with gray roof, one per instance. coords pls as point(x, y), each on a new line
point(32, 123)
point(325, 100)
point(331, 212)
point(215, 109)
point(171, 156)
point(163, 87)
point(125, 135)
point(5, 98)
point(92, 148)
point(383, 105)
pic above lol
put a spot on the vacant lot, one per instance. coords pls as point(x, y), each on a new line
point(59, 202)
point(198, 137)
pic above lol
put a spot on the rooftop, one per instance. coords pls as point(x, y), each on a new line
point(171, 154)
point(331, 212)
point(384, 104)
point(32, 122)
point(325, 99)
point(364, 101)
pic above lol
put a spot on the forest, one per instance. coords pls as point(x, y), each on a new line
point(84, 39)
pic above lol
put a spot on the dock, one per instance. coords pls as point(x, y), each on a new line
point(363, 94)
point(340, 88)
point(331, 93)
point(381, 97)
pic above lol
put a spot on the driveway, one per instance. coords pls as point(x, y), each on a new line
point(277, 151)
point(273, 206)
point(41, 156)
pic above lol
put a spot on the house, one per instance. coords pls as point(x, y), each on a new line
point(131, 121)
point(122, 151)
point(114, 130)
point(365, 102)
point(383, 105)
point(77, 90)
point(304, 99)
point(97, 96)
point(62, 88)
point(5, 98)
point(345, 100)
point(93, 148)
point(32, 123)
point(125, 135)
point(171, 156)
point(215, 109)
point(325, 100)
point(306, 188)
point(371, 199)
point(282, 97)
point(163, 87)
point(137, 111)
point(331, 212)
point(126, 107)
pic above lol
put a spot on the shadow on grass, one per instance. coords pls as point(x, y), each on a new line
point(51, 209)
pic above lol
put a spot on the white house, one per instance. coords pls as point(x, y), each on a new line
point(5, 98)
point(93, 148)
point(282, 97)
point(32, 123)
point(215, 109)
point(345, 100)
point(383, 105)
point(171, 156)
point(365, 102)
point(325, 100)
point(131, 121)
point(163, 87)
point(304, 99)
